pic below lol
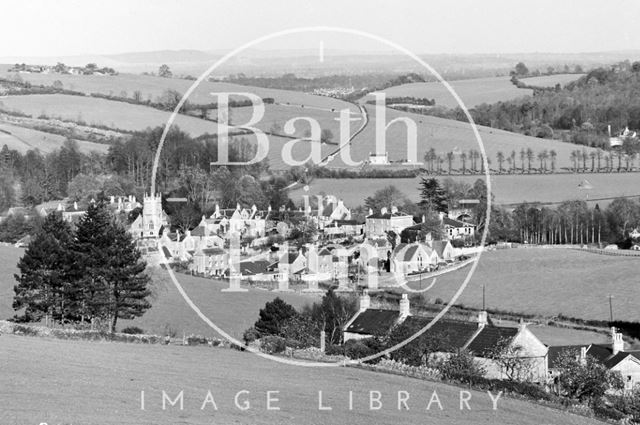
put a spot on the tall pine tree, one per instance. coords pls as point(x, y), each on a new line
point(47, 271)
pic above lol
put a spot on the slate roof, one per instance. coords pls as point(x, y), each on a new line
point(253, 267)
point(374, 322)
point(614, 360)
point(489, 337)
point(324, 252)
point(438, 247)
point(348, 222)
point(602, 353)
point(458, 333)
point(198, 231)
point(455, 223)
point(388, 215)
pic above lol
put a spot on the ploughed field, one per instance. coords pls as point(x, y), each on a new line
point(78, 382)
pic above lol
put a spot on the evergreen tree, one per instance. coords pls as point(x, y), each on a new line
point(124, 274)
point(432, 195)
point(92, 243)
point(47, 271)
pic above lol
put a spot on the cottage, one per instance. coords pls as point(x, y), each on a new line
point(413, 257)
point(480, 337)
point(613, 356)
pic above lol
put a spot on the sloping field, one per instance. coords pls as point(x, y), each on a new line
point(549, 281)
point(94, 111)
point(153, 87)
point(450, 136)
point(508, 189)
point(52, 381)
point(476, 91)
point(24, 139)
point(551, 80)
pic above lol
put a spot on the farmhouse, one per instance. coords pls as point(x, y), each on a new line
point(479, 337)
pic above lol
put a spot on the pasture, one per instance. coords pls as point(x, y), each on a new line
point(549, 281)
point(78, 382)
point(152, 87)
point(23, 139)
point(476, 91)
point(450, 136)
point(507, 189)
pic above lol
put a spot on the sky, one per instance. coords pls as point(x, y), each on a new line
point(81, 27)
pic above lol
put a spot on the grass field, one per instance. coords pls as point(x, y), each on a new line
point(473, 92)
point(548, 282)
point(24, 139)
point(94, 111)
point(153, 87)
point(76, 382)
point(507, 189)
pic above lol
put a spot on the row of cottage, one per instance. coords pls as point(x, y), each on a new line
point(481, 336)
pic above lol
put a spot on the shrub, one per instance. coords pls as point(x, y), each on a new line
point(250, 335)
point(461, 367)
point(272, 344)
point(334, 350)
point(132, 330)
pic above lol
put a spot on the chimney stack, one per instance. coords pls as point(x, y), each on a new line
point(404, 307)
point(617, 342)
point(583, 355)
point(482, 319)
point(365, 300)
point(383, 210)
point(394, 209)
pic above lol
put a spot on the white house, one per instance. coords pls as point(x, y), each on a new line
point(377, 224)
point(413, 257)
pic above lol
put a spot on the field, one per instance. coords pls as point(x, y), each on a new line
point(94, 111)
point(548, 282)
point(450, 136)
point(24, 139)
point(476, 91)
point(507, 189)
point(153, 87)
point(75, 382)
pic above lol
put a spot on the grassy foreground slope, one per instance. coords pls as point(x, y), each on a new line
point(54, 381)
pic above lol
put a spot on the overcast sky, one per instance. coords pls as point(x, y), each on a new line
point(73, 27)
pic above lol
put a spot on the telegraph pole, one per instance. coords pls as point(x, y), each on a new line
point(483, 298)
point(610, 308)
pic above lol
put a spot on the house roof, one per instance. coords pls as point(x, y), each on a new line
point(389, 215)
point(198, 231)
point(602, 353)
point(458, 332)
point(614, 360)
point(324, 252)
point(439, 246)
point(253, 267)
point(374, 322)
point(455, 223)
point(348, 222)
point(489, 337)
point(212, 251)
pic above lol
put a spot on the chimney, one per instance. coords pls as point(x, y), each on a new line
point(394, 209)
point(617, 342)
point(365, 300)
point(320, 206)
point(424, 219)
point(441, 214)
point(482, 319)
point(404, 307)
point(583, 355)
point(383, 210)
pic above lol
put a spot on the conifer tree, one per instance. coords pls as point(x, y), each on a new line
point(47, 271)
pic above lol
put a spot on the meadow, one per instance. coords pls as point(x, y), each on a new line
point(549, 281)
point(77, 382)
point(476, 91)
point(23, 139)
point(507, 189)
